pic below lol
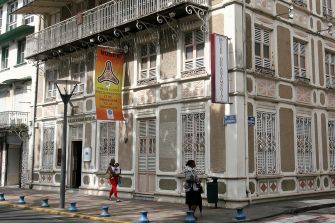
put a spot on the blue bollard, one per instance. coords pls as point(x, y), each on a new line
point(239, 214)
point(2, 197)
point(143, 217)
point(189, 217)
point(44, 203)
point(104, 211)
point(21, 200)
point(72, 207)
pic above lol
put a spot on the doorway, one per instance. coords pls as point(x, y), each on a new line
point(146, 164)
point(76, 164)
point(13, 165)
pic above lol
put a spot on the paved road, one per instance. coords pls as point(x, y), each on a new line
point(15, 215)
point(325, 215)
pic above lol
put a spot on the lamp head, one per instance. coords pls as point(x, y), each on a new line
point(290, 12)
point(66, 87)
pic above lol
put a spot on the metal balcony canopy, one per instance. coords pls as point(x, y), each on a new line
point(42, 6)
point(16, 33)
point(3, 2)
point(107, 20)
point(10, 81)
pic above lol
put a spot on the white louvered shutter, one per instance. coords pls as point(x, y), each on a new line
point(262, 49)
point(142, 159)
point(147, 147)
point(299, 50)
point(266, 49)
point(296, 58)
point(148, 70)
point(194, 50)
point(258, 44)
point(200, 45)
point(151, 152)
point(189, 51)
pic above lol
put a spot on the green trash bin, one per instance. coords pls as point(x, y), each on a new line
point(213, 191)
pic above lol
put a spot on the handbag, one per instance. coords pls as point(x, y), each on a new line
point(201, 189)
point(108, 175)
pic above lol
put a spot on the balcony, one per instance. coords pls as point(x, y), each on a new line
point(10, 119)
point(105, 20)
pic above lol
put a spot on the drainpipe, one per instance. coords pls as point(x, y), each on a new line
point(32, 148)
point(245, 104)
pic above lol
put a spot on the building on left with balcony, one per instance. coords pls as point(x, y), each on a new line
point(17, 84)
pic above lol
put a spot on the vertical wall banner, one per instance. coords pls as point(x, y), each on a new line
point(219, 68)
point(108, 84)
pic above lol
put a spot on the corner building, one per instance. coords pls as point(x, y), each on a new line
point(281, 71)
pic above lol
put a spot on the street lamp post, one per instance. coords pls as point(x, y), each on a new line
point(64, 89)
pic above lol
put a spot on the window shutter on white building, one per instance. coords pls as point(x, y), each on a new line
point(194, 139)
point(304, 144)
point(331, 142)
point(266, 143)
point(147, 152)
point(106, 143)
point(148, 63)
point(194, 50)
point(48, 148)
point(262, 39)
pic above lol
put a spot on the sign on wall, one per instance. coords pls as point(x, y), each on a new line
point(87, 154)
point(219, 68)
point(229, 119)
point(108, 84)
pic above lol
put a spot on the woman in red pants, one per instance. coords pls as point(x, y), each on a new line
point(114, 172)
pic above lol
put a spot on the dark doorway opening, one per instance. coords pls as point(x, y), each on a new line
point(76, 164)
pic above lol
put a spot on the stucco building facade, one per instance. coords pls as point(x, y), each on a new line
point(280, 72)
point(17, 87)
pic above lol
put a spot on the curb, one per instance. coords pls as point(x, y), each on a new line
point(61, 212)
point(292, 211)
point(309, 208)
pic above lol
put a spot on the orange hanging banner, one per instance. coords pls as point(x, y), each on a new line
point(108, 84)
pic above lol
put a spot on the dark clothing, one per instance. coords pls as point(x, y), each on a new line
point(192, 188)
point(193, 198)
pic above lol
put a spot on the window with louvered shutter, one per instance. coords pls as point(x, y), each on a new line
point(51, 90)
point(147, 145)
point(11, 17)
point(266, 143)
point(327, 8)
point(262, 49)
point(304, 144)
point(78, 74)
point(106, 143)
point(194, 50)
point(193, 139)
point(299, 49)
point(330, 69)
point(148, 64)
point(48, 147)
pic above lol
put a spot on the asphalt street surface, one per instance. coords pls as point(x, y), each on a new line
point(17, 215)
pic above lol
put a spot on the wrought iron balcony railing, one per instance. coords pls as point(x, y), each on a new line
point(102, 18)
point(13, 118)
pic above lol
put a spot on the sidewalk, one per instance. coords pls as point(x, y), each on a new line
point(89, 207)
